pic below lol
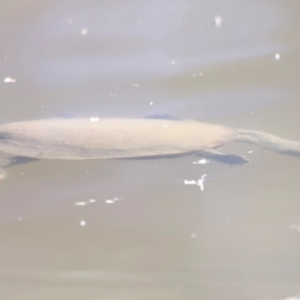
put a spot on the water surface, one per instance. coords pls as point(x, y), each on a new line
point(143, 234)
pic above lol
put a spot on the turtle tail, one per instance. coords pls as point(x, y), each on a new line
point(269, 141)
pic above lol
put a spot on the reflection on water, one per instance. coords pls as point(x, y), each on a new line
point(143, 233)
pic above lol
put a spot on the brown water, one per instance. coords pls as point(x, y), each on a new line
point(143, 234)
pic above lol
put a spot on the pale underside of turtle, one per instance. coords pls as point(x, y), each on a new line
point(78, 139)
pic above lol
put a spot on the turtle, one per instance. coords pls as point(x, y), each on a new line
point(120, 138)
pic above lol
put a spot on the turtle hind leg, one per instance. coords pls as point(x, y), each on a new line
point(230, 159)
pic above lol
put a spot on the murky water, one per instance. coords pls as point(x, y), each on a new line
point(131, 229)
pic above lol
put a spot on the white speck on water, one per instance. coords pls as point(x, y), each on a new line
point(82, 223)
point(151, 103)
point(193, 235)
point(20, 219)
point(201, 162)
point(9, 80)
point(218, 21)
point(166, 126)
point(277, 56)
point(194, 75)
point(295, 227)
point(201, 73)
point(187, 182)
point(173, 62)
point(199, 182)
point(82, 203)
point(84, 31)
point(22, 174)
point(94, 119)
point(111, 201)
point(135, 85)
point(250, 151)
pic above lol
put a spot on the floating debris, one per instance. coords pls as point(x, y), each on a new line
point(201, 162)
point(187, 182)
point(82, 203)
point(199, 182)
point(111, 201)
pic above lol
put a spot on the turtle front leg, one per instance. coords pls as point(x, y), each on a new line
point(231, 158)
point(12, 161)
point(15, 160)
point(2, 174)
point(4, 163)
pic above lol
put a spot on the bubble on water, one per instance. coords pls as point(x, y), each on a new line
point(84, 31)
point(218, 21)
point(82, 223)
point(9, 80)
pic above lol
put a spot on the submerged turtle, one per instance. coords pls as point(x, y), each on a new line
point(129, 138)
